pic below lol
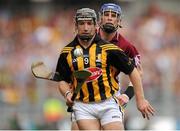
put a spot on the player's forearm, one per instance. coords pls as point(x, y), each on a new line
point(130, 89)
point(63, 88)
point(140, 70)
point(137, 84)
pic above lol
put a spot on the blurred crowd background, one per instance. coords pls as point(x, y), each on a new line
point(32, 30)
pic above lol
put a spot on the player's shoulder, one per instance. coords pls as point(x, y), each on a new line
point(68, 48)
point(109, 46)
point(127, 47)
point(123, 41)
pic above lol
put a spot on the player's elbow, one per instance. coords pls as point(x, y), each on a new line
point(135, 75)
point(60, 87)
point(63, 86)
point(140, 70)
point(140, 73)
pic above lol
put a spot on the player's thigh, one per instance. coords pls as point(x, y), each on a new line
point(113, 126)
point(89, 124)
point(86, 116)
point(112, 116)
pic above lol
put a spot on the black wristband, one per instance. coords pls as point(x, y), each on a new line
point(129, 92)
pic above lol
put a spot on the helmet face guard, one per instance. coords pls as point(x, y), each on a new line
point(110, 7)
point(85, 37)
point(109, 28)
point(85, 14)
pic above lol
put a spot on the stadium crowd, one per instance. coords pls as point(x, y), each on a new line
point(26, 37)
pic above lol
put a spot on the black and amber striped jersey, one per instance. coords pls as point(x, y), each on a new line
point(97, 59)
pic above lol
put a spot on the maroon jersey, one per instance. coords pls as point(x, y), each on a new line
point(129, 49)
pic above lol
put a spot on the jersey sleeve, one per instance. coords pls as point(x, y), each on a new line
point(129, 49)
point(121, 61)
point(133, 53)
point(63, 68)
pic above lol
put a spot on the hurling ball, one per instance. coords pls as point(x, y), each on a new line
point(78, 52)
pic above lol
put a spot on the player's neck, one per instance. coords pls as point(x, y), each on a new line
point(107, 36)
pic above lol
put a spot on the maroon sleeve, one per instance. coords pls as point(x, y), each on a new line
point(129, 49)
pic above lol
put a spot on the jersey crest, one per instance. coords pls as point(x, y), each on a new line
point(96, 73)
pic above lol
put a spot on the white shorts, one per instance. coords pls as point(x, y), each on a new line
point(106, 111)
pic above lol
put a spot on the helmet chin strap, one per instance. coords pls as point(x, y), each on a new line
point(109, 28)
point(85, 38)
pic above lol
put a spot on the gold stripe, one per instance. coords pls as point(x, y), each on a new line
point(92, 63)
point(114, 84)
point(78, 46)
point(85, 92)
point(113, 81)
point(80, 64)
point(69, 60)
point(68, 48)
point(106, 45)
point(104, 73)
point(92, 56)
point(112, 48)
point(78, 96)
point(65, 52)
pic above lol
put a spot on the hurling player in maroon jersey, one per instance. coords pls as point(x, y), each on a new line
point(109, 22)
